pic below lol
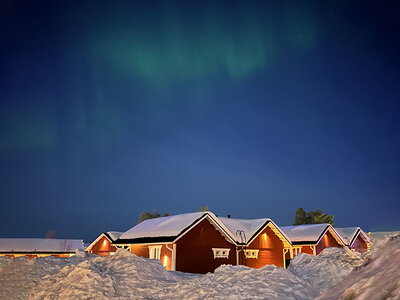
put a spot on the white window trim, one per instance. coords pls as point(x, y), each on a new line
point(125, 247)
point(251, 253)
point(155, 252)
point(221, 252)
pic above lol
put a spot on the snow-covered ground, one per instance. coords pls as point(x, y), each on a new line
point(126, 276)
point(331, 266)
point(377, 278)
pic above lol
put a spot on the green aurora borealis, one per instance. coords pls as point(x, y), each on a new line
point(105, 52)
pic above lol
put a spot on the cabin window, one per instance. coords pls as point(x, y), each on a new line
point(155, 252)
point(126, 247)
point(221, 252)
point(251, 253)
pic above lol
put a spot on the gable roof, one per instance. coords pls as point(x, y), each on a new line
point(112, 236)
point(252, 228)
point(309, 233)
point(35, 245)
point(350, 234)
point(170, 229)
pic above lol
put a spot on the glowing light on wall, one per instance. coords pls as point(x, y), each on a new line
point(104, 243)
point(165, 261)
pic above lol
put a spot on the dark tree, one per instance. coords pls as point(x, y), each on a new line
point(203, 208)
point(312, 217)
point(145, 215)
point(300, 217)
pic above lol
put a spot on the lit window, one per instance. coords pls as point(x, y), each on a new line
point(251, 253)
point(155, 252)
point(126, 247)
point(221, 252)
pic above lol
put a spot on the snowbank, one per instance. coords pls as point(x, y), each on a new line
point(121, 276)
point(19, 275)
point(378, 278)
point(326, 269)
point(126, 276)
point(240, 282)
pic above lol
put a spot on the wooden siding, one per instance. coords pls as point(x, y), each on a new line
point(327, 241)
point(165, 256)
point(307, 250)
point(270, 250)
point(103, 247)
point(359, 245)
point(194, 250)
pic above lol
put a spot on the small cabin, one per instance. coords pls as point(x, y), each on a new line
point(36, 247)
point(355, 238)
point(311, 238)
point(260, 242)
point(193, 242)
point(102, 245)
point(201, 242)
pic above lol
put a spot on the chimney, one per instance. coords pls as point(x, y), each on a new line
point(229, 216)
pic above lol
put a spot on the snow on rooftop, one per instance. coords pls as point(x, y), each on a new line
point(249, 227)
point(304, 233)
point(39, 245)
point(347, 233)
point(164, 226)
point(114, 235)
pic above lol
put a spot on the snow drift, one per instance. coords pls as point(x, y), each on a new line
point(126, 276)
point(377, 278)
point(331, 266)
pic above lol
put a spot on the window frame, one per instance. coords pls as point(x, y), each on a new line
point(221, 252)
point(155, 252)
point(251, 253)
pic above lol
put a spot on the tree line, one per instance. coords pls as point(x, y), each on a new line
point(301, 216)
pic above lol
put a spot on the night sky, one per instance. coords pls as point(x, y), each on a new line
point(109, 108)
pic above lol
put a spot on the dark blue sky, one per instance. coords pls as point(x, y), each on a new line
point(252, 108)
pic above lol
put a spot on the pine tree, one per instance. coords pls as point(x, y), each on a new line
point(300, 217)
point(203, 208)
point(312, 217)
point(145, 215)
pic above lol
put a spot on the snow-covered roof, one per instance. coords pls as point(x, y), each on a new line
point(250, 227)
point(305, 233)
point(39, 245)
point(170, 227)
point(114, 235)
point(349, 234)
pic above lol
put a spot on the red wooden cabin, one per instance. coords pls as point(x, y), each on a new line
point(103, 244)
point(259, 242)
point(355, 238)
point(311, 238)
point(194, 242)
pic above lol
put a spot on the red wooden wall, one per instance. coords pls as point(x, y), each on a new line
point(327, 241)
point(103, 247)
point(270, 250)
point(143, 251)
point(194, 250)
point(359, 245)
